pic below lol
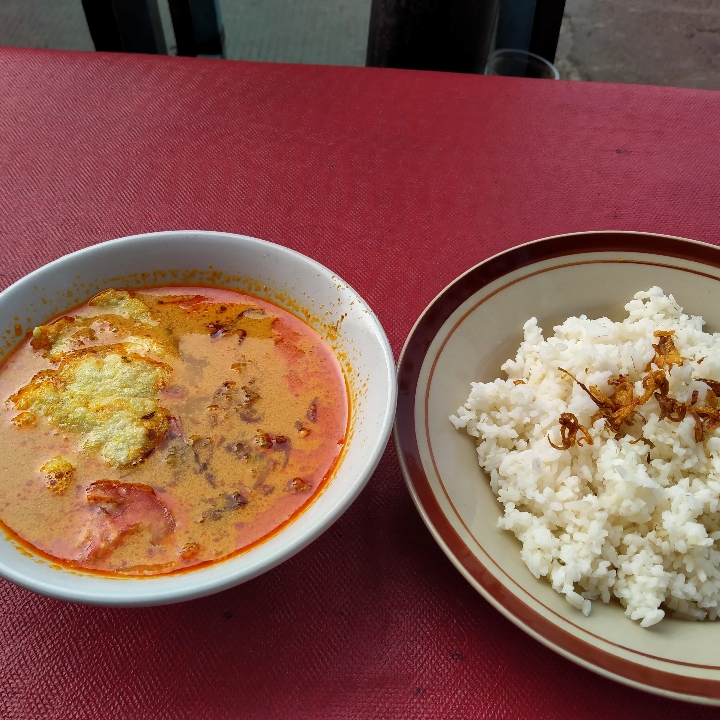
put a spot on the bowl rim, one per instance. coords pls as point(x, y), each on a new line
point(175, 586)
point(410, 363)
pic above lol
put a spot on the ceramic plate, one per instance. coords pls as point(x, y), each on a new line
point(465, 335)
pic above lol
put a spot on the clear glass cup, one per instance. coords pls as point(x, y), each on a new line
point(520, 63)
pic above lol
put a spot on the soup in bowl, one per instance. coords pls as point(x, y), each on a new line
point(172, 429)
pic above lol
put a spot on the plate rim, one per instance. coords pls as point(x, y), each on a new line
point(410, 361)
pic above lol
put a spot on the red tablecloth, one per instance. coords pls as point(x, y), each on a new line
point(398, 181)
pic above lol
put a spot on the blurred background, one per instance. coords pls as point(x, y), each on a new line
point(658, 42)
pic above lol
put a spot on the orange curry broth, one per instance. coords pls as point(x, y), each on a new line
point(258, 410)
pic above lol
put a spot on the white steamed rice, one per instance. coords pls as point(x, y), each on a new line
point(600, 521)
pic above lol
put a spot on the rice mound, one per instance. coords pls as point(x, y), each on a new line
point(613, 519)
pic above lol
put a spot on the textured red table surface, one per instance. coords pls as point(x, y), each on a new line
point(398, 181)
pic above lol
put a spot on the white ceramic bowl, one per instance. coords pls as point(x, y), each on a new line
point(269, 271)
point(465, 335)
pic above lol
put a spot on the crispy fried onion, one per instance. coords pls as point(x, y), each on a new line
point(708, 412)
point(666, 354)
point(671, 409)
point(569, 428)
point(621, 406)
point(705, 416)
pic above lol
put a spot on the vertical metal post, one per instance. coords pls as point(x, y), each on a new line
point(532, 25)
point(546, 28)
point(103, 25)
point(450, 35)
point(198, 27)
point(125, 26)
point(515, 24)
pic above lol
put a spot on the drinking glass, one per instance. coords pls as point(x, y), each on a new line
point(519, 63)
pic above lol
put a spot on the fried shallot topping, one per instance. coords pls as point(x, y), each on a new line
point(621, 406)
point(666, 354)
point(714, 385)
point(654, 381)
point(708, 412)
point(569, 428)
point(671, 409)
point(698, 426)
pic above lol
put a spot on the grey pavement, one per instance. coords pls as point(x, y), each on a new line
point(657, 42)
point(653, 42)
point(57, 24)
